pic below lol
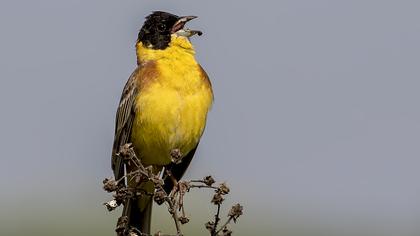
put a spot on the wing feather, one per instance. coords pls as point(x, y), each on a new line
point(124, 122)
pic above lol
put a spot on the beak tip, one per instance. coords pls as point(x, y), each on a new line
point(188, 18)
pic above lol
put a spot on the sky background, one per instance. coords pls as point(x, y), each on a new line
point(315, 125)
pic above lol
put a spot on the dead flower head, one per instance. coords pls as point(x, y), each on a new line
point(184, 219)
point(226, 232)
point(223, 189)
point(110, 185)
point(217, 199)
point(210, 226)
point(111, 205)
point(126, 151)
point(159, 197)
point(235, 212)
point(208, 180)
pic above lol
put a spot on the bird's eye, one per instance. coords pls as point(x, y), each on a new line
point(161, 27)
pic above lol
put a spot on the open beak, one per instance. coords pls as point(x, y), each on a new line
point(179, 29)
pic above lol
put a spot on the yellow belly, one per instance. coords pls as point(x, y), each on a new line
point(170, 114)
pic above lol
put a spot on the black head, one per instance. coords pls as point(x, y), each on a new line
point(158, 27)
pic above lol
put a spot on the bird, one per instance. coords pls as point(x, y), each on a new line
point(163, 107)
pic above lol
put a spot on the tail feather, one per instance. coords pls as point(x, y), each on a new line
point(178, 170)
point(140, 209)
point(141, 217)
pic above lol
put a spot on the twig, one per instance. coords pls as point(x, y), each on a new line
point(203, 186)
point(174, 200)
point(174, 212)
point(224, 225)
point(216, 221)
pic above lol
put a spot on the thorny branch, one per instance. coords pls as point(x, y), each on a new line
point(174, 199)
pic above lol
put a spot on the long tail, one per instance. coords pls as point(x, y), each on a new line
point(139, 209)
point(141, 214)
point(135, 218)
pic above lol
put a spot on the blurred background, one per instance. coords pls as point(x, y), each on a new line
point(315, 126)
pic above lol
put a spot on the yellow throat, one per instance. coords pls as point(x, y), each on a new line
point(171, 109)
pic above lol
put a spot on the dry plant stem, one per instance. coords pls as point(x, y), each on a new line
point(202, 186)
point(174, 213)
point(181, 203)
point(132, 174)
point(216, 221)
point(173, 204)
point(174, 200)
point(224, 225)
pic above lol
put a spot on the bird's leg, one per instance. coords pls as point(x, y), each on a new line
point(176, 155)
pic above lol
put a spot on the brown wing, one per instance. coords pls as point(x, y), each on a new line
point(124, 122)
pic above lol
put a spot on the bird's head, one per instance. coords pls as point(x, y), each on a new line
point(160, 27)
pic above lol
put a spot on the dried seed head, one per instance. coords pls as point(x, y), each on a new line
point(217, 199)
point(208, 180)
point(210, 226)
point(235, 212)
point(122, 224)
point(110, 185)
point(111, 205)
point(176, 155)
point(159, 197)
point(226, 232)
point(184, 219)
point(171, 210)
point(126, 151)
point(122, 194)
point(223, 189)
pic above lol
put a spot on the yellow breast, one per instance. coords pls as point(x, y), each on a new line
point(171, 109)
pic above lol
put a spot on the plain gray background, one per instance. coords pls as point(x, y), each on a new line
point(315, 126)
